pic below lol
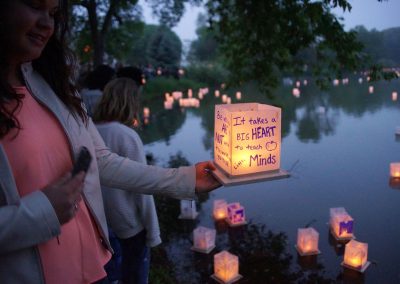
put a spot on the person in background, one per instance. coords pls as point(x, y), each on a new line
point(132, 217)
point(94, 85)
point(52, 223)
point(133, 73)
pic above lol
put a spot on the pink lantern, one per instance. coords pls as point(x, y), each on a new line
point(356, 256)
point(203, 239)
point(341, 224)
point(226, 267)
point(307, 241)
point(236, 215)
point(220, 210)
point(188, 209)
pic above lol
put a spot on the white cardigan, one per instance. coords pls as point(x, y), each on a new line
point(128, 213)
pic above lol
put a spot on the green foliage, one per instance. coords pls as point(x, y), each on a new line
point(210, 74)
point(262, 39)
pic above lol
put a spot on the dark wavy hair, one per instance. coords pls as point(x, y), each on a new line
point(55, 65)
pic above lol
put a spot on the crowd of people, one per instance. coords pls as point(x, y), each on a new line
point(54, 226)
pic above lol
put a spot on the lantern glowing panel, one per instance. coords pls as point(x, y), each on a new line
point(356, 256)
point(307, 241)
point(203, 239)
point(226, 267)
point(236, 214)
point(341, 224)
point(247, 138)
point(395, 170)
point(188, 209)
point(220, 210)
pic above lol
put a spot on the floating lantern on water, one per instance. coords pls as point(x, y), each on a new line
point(305, 82)
point(168, 104)
point(307, 241)
point(238, 95)
point(220, 210)
point(394, 96)
point(159, 72)
point(395, 170)
point(224, 98)
point(228, 100)
point(356, 256)
point(203, 239)
point(371, 89)
point(146, 112)
point(188, 209)
point(296, 92)
point(336, 82)
point(360, 80)
point(236, 215)
point(226, 267)
point(190, 93)
point(298, 84)
point(247, 143)
point(216, 93)
point(177, 95)
point(341, 224)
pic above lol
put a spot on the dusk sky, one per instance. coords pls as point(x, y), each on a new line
point(369, 13)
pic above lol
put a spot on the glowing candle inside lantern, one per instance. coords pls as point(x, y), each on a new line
point(220, 210)
point(307, 241)
point(395, 170)
point(341, 223)
point(356, 255)
point(236, 214)
point(226, 267)
point(146, 112)
point(203, 239)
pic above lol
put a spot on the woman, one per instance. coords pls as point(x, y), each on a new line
point(52, 225)
point(132, 217)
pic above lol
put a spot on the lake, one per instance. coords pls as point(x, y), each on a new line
point(337, 157)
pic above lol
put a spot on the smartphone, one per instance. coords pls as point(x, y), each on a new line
point(83, 161)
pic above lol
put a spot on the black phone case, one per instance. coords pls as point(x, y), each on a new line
point(83, 161)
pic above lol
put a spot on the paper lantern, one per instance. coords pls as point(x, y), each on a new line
point(296, 92)
point(305, 82)
point(226, 267)
point(188, 209)
point(247, 143)
point(341, 224)
point(177, 95)
point(224, 98)
point(307, 241)
point(394, 96)
point(298, 84)
point(203, 239)
point(336, 82)
point(395, 170)
point(236, 215)
point(371, 89)
point(360, 80)
point(220, 210)
point(238, 95)
point(190, 93)
point(228, 100)
point(216, 93)
point(146, 112)
point(356, 256)
point(168, 104)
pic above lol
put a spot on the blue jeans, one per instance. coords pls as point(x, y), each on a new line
point(113, 267)
point(135, 259)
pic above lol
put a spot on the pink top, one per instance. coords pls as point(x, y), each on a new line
point(39, 155)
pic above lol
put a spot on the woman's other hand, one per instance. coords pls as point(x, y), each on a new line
point(65, 195)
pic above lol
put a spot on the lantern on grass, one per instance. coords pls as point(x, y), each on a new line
point(226, 267)
point(236, 215)
point(395, 170)
point(220, 210)
point(356, 256)
point(307, 241)
point(341, 224)
point(247, 143)
point(203, 239)
point(188, 209)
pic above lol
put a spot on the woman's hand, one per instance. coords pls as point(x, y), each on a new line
point(65, 195)
point(205, 181)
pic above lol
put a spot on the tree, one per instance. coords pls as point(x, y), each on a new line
point(96, 18)
point(260, 39)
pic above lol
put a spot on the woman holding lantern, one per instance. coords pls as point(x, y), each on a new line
point(52, 223)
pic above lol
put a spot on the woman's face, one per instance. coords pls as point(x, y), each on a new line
point(30, 24)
